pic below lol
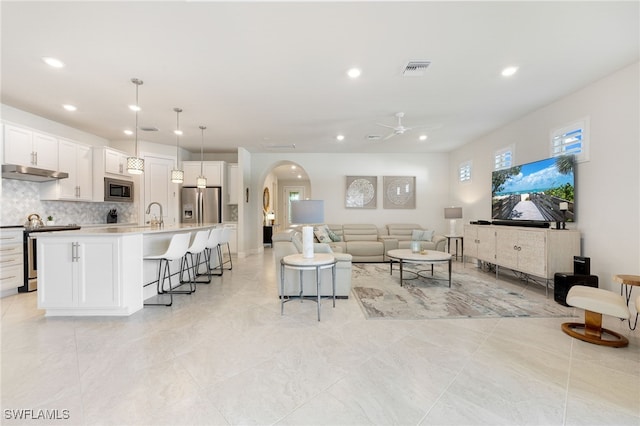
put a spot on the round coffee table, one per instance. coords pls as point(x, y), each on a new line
point(431, 257)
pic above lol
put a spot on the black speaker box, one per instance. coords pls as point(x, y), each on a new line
point(563, 281)
point(581, 265)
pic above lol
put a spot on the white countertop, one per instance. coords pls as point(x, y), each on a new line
point(128, 230)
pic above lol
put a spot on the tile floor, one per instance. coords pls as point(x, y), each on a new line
point(225, 355)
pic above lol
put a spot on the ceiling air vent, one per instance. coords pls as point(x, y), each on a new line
point(149, 129)
point(416, 68)
point(282, 146)
point(373, 137)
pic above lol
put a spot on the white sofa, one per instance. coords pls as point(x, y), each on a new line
point(290, 242)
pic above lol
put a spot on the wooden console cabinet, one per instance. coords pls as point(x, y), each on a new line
point(535, 251)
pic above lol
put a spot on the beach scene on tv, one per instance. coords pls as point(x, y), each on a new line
point(543, 191)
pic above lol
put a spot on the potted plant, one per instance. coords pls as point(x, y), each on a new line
point(50, 221)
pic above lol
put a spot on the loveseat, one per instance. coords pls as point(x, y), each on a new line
point(290, 242)
point(368, 243)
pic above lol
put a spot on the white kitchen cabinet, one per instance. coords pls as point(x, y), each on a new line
point(115, 162)
point(77, 160)
point(11, 261)
point(26, 147)
point(213, 171)
point(107, 162)
point(232, 184)
point(85, 274)
point(539, 252)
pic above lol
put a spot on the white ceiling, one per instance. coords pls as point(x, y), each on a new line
point(260, 74)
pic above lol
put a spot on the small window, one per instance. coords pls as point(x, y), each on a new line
point(464, 173)
point(503, 158)
point(571, 140)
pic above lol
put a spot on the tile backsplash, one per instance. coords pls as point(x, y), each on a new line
point(21, 198)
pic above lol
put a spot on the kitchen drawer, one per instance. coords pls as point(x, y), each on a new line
point(11, 237)
point(10, 254)
point(11, 277)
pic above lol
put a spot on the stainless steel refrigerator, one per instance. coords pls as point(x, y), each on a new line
point(201, 205)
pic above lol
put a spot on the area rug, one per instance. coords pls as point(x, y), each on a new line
point(472, 295)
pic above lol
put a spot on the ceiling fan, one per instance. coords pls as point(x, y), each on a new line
point(399, 129)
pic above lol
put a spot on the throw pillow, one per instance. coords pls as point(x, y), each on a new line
point(421, 235)
point(427, 235)
point(321, 234)
point(334, 237)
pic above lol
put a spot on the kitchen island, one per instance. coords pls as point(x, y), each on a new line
point(100, 271)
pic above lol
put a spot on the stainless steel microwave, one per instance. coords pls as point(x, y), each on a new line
point(118, 190)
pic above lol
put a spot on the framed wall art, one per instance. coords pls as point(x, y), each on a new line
point(399, 192)
point(361, 192)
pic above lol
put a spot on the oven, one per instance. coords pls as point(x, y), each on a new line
point(30, 242)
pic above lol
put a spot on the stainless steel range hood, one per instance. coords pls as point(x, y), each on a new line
point(33, 174)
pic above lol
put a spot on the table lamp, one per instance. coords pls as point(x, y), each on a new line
point(563, 208)
point(307, 212)
point(270, 218)
point(452, 213)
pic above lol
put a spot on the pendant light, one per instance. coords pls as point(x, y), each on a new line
point(135, 165)
point(177, 174)
point(201, 182)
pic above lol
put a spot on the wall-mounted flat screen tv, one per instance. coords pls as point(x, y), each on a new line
point(535, 191)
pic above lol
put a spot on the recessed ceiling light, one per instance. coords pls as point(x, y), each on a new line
point(299, 176)
point(134, 107)
point(178, 132)
point(509, 71)
point(340, 137)
point(128, 132)
point(53, 62)
point(69, 107)
point(423, 137)
point(354, 72)
point(293, 167)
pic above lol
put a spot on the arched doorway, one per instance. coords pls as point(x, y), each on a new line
point(286, 181)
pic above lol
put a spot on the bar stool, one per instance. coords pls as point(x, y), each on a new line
point(213, 243)
point(197, 248)
point(226, 234)
point(177, 249)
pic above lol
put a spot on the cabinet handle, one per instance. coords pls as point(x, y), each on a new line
point(515, 247)
point(120, 167)
point(74, 252)
point(36, 154)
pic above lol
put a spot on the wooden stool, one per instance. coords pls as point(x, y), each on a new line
point(596, 302)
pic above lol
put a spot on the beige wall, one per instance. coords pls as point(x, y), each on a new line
point(607, 186)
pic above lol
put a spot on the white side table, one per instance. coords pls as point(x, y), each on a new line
point(318, 262)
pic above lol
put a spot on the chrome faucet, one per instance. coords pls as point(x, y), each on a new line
point(161, 222)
